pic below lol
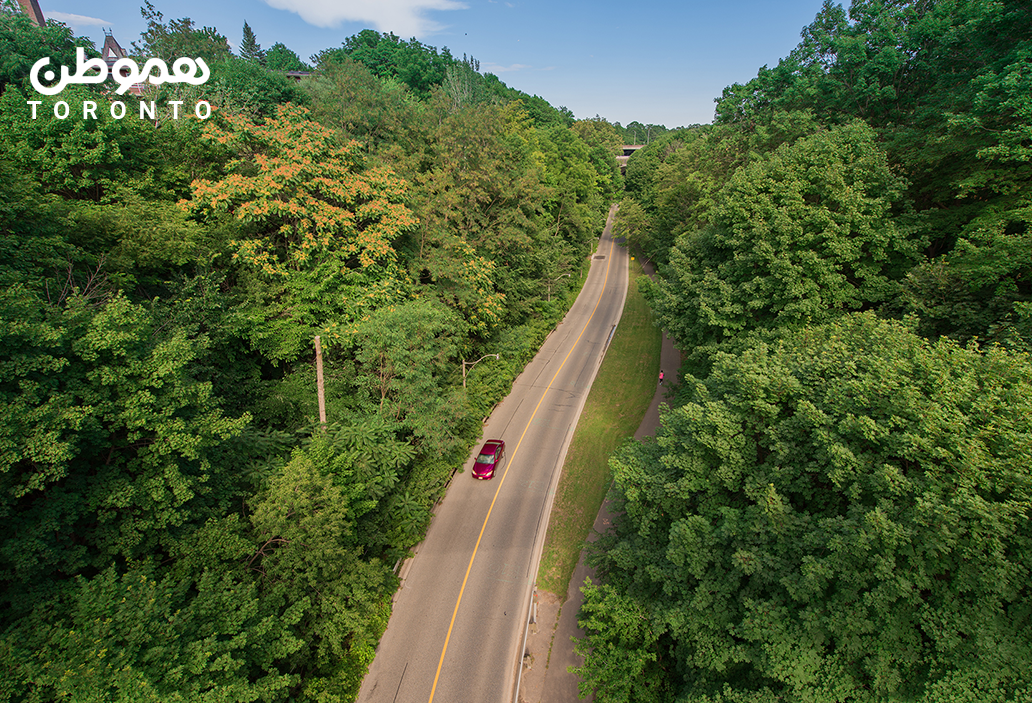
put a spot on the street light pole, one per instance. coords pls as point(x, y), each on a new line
point(474, 363)
point(553, 281)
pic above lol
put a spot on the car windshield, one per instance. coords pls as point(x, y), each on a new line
point(485, 458)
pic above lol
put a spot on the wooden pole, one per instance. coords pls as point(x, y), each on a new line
point(319, 381)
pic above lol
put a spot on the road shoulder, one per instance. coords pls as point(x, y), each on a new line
point(549, 647)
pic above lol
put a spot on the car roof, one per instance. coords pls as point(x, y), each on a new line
point(493, 443)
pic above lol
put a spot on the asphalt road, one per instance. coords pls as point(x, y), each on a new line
point(456, 631)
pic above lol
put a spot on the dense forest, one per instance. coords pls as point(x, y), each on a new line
point(178, 524)
point(838, 504)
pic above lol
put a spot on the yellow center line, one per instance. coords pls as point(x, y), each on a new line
point(505, 473)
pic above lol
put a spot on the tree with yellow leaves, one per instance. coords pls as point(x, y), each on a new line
point(317, 231)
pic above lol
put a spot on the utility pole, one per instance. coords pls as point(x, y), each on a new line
point(319, 382)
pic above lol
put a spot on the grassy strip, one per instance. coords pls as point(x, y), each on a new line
point(619, 397)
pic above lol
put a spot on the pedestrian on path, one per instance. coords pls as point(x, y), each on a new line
point(661, 377)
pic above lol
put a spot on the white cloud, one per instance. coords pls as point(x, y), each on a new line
point(406, 18)
point(76, 21)
point(495, 68)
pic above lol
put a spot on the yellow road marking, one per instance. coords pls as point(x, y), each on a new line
point(505, 473)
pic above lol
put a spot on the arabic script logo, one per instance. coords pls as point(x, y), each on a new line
point(125, 72)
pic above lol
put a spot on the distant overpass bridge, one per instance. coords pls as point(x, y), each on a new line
point(628, 149)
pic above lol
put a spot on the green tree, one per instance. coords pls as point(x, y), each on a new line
point(280, 58)
point(404, 355)
point(417, 65)
point(639, 176)
point(107, 438)
point(141, 244)
point(638, 133)
point(347, 97)
point(23, 43)
point(942, 84)
point(481, 186)
point(178, 38)
point(138, 637)
point(318, 231)
point(604, 141)
point(464, 280)
point(78, 158)
point(635, 226)
point(621, 658)
point(798, 236)
point(250, 49)
point(33, 247)
point(841, 515)
point(983, 286)
point(308, 525)
point(464, 85)
point(244, 87)
point(598, 132)
point(578, 177)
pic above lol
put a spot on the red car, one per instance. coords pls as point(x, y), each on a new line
point(490, 456)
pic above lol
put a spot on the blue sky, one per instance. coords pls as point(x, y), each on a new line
point(654, 61)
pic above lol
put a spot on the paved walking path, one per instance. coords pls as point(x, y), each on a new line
point(549, 645)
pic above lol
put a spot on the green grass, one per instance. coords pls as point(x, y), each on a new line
point(613, 411)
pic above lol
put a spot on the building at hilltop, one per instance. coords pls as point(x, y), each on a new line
point(31, 8)
point(112, 51)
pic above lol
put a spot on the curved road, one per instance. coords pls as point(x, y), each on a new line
point(456, 631)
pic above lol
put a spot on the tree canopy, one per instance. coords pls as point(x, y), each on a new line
point(179, 524)
point(800, 234)
point(836, 505)
point(827, 517)
point(176, 38)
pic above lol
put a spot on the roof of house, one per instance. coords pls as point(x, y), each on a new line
point(31, 8)
point(112, 50)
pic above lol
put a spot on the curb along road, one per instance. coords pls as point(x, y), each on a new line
point(542, 531)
